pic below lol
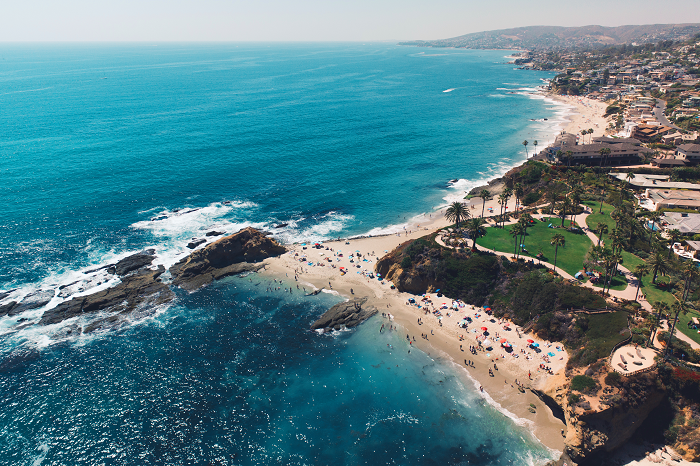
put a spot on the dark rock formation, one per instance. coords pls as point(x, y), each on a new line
point(138, 288)
point(196, 242)
point(349, 314)
point(214, 233)
point(5, 294)
point(131, 263)
point(227, 256)
point(32, 301)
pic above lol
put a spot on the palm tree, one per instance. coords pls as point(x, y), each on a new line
point(673, 237)
point(557, 240)
point(604, 152)
point(640, 271)
point(569, 157)
point(590, 131)
point(535, 150)
point(583, 133)
point(629, 177)
point(564, 208)
point(658, 264)
point(525, 144)
point(518, 191)
point(475, 229)
point(603, 188)
point(552, 196)
point(661, 307)
point(516, 231)
point(678, 307)
point(601, 230)
point(575, 201)
point(457, 212)
point(485, 195)
point(690, 272)
point(653, 217)
point(559, 156)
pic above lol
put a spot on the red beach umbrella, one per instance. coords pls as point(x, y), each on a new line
point(503, 340)
point(531, 341)
point(484, 329)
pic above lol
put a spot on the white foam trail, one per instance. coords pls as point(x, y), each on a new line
point(449, 90)
point(43, 451)
point(332, 222)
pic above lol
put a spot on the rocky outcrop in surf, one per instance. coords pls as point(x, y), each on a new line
point(230, 255)
point(348, 314)
point(141, 287)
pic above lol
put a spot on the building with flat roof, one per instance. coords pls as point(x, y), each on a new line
point(689, 153)
point(660, 199)
point(686, 223)
point(654, 181)
point(627, 152)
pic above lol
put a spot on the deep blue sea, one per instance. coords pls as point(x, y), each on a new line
point(109, 149)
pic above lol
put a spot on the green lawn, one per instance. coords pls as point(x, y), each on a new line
point(570, 257)
point(595, 218)
point(682, 325)
point(653, 292)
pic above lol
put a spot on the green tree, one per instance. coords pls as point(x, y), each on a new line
point(678, 308)
point(525, 144)
point(564, 208)
point(601, 230)
point(475, 229)
point(535, 144)
point(661, 307)
point(640, 271)
point(516, 232)
point(604, 153)
point(457, 212)
point(569, 157)
point(557, 240)
point(518, 191)
point(485, 195)
point(673, 237)
point(653, 217)
point(658, 264)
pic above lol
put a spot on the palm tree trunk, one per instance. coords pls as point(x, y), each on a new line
point(556, 250)
point(600, 210)
point(658, 324)
point(639, 284)
point(670, 336)
point(483, 207)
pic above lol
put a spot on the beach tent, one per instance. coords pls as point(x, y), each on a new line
point(487, 343)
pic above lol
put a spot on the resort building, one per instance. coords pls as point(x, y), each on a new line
point(659, 199)
point(623, 151)
point(644, 181)
point(687, 224)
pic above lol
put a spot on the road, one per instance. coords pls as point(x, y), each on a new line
point(659, 113)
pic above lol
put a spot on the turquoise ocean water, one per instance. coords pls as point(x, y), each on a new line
point(109, 149)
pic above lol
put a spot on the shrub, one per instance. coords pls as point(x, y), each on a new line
point(406, 262)
point(613, 378)
point(582, 382)
point(574, 398)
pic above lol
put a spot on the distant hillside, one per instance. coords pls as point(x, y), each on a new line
point(557, 37)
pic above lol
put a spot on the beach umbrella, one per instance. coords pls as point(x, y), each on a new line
point(503, 340)
point(535, 344)
point(484, 329)
point(531, 341)
point(487, 343)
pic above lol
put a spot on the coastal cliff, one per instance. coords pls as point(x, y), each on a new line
point(227, 256)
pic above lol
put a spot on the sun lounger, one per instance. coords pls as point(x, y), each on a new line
point(624, 368)
point(623, 359)
point(639, 353)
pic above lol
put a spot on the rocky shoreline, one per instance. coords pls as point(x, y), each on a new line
point(140, 286)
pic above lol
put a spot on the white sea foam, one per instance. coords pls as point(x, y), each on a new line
point(449, 90)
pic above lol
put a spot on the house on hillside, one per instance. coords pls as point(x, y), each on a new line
point(623, 151)
point(689, 153)
point(660, 199)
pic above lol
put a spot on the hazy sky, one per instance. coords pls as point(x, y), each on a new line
point(314, 20)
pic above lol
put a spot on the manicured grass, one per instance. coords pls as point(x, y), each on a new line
point(569, 258)
point(682, 325)
point(595, 218)
point(618, 283)
point(651, 291)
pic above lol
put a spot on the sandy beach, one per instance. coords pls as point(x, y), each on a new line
point(588, 114)
point(439, 337)
point(493, 373)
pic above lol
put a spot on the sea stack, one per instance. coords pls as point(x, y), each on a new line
point(230, 255)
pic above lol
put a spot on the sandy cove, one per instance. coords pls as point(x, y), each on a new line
point(588, 114)
point(443, 341)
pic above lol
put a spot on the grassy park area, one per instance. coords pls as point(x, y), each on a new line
point(569, 258)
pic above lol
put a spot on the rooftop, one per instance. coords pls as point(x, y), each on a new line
point(655, 181)
point(685, 223)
